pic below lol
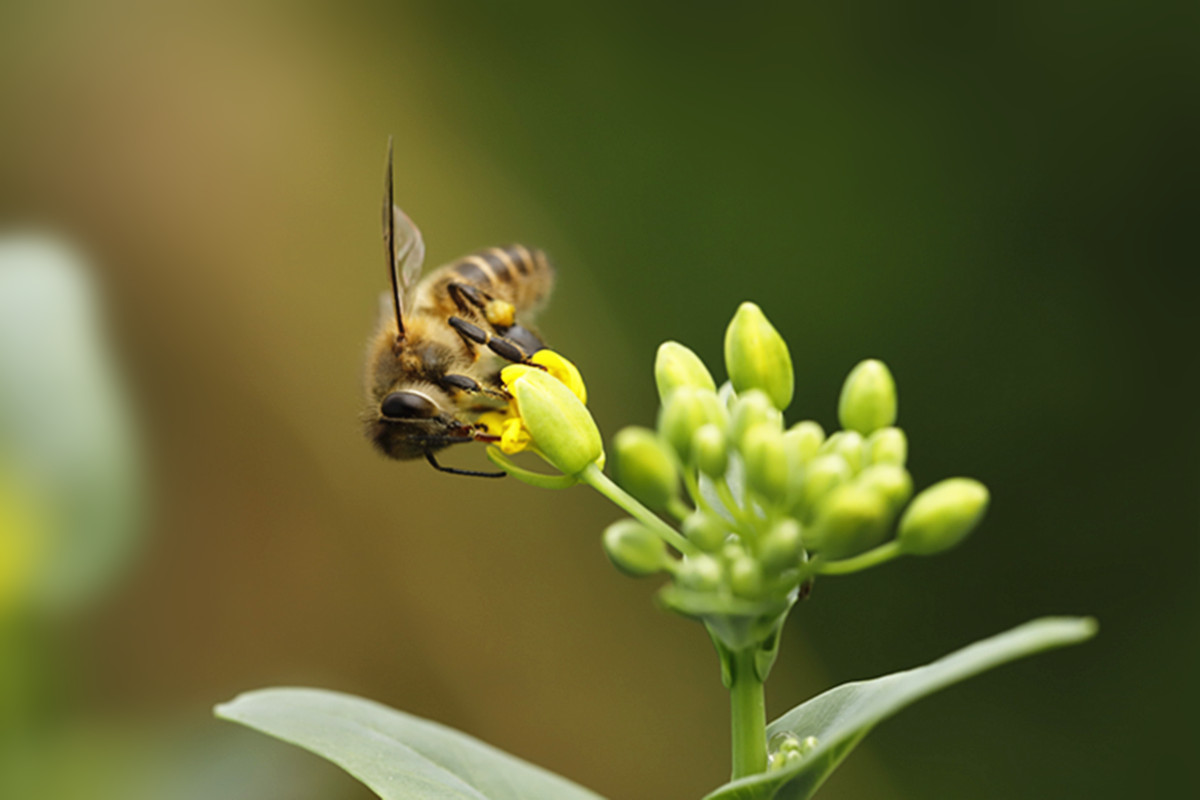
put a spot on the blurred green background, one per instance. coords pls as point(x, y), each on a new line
point(989, 196)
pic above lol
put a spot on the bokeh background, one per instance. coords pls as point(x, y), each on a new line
point(989, 196)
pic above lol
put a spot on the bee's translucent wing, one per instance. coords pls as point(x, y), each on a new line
point(403, 245)
point(410, 250)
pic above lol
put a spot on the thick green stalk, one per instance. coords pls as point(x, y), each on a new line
point(748, 717)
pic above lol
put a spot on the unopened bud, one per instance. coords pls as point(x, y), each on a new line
point(822, 475)
point(709, 450)
point(756, 357)
point(561, 426)
point(942, 515)
point(645, 467)
point(732, 550)
point(766, 461)
point(803, 440)
point(887, 446)
point(706, 531)
point(781, 545)
point(868, 400)
point(746, 577)
point(891, 481)
point(750, 409)
point(676, 366)
point(685, 412)
point(851, 520)
point(701, 573)
point(634, 549)
point(847, 444)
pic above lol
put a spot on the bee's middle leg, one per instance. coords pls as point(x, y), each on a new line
point(500, 345)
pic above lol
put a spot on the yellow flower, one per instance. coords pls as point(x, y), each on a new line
point(546, 414)
point(507, 423)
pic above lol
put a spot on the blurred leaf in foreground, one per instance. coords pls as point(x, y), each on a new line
point(69, 484)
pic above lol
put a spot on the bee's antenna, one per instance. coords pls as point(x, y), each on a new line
point(389, 242)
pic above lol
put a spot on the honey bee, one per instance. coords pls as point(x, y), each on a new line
point(434, 362)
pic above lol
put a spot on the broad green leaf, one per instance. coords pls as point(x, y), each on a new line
point(841, 717)
point(70, 489)
point(397, 755)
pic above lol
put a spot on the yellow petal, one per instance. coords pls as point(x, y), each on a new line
point(515, 437)
point(562, 369)
point(493, 421)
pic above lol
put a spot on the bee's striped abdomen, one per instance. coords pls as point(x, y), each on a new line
point(521, 275)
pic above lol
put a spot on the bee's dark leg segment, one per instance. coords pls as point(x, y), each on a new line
point(466, 383)
point(524, 338)
point(497, 344)
point(466, 296)
point(469, 331)
point(468, 472)
point(507, 350)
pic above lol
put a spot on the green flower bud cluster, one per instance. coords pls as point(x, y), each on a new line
point(764, 506)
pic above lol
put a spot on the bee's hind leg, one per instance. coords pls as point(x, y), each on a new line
point(500, 345)
point(500, 314)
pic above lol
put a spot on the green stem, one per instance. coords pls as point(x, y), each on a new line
point(693, 489)
point(872, 558)
point(593, 477)
point(742, 516)
point(748, 717)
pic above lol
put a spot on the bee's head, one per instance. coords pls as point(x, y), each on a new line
point(409, 424)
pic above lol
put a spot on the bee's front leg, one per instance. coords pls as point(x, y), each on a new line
point(465, 383)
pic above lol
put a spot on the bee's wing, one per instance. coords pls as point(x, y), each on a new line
point(404, 247)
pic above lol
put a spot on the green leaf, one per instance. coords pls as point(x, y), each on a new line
point(69, 458)
point(398, 756)
point(842, 716)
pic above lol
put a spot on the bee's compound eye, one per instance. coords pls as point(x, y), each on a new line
point(407, 405)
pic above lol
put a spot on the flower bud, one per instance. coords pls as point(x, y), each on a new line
point(562, 429)
point(676, 366)
point(891, 481)
point(781, 545)
point(634, 549)
point(700, 573)
point(803, 440)
point(847, 444)
point(709, 451)
point(851, 520)
point(942, 515)
point(746, 577)
point(886, 446)
point(749, 409)
point(823, 474)
point(732, 550)
point(645, 466)
point(765, 461)
point(756, 357)
point(685, 412)
point(868, 400)
point(706, 531)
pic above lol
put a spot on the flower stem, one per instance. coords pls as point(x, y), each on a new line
point(748, 715)
point(593, 477)
point(884, 553)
